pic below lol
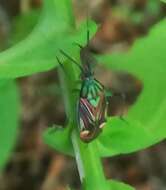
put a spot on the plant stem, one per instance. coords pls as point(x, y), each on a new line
point(89, 164)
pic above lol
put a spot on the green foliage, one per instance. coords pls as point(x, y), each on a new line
point(146, 60)
point(114, 185)
point(37, 52)
point(58, 138)
point(9, 118)
point(23, 25)
point(120, 137)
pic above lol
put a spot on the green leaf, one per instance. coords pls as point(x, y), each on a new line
point(38, 51)
point(118, 137)
point(146, 60)
point(23, 25)
point(59, 138)
point(164, 1)
point(114, 185)
point(121, 137)
point(9, 118)
point(109, 142)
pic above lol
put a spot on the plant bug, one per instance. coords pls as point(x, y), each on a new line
point(92, 102)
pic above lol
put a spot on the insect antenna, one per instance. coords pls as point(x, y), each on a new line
point(71, 59)
point(87, 25)
point(86, 53)
point(87, 32)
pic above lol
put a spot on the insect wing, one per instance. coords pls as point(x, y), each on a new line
point(86, 119)
point(92, 112)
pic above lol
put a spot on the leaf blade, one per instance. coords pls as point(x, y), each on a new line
point(9, 118)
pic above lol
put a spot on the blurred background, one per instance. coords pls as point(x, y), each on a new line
point(35, 166)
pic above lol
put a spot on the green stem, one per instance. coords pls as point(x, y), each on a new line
point(87, 157)
point(89, 164)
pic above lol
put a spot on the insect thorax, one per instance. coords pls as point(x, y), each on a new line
point(91, 90)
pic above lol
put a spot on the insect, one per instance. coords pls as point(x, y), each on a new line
point(92, 102)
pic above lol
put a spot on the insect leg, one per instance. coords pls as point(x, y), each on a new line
point(79, 45)
point(122, 119)
point(123, 96)
point(78, 81)
point(108, 93)
point(71, 59)
point(61, 65)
